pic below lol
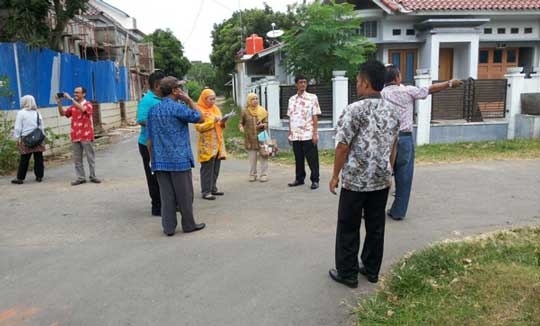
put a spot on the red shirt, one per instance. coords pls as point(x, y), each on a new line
point(82, 128)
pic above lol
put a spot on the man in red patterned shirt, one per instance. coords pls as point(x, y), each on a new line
point(82, 133)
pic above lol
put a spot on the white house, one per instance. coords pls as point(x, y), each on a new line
point(453, 38)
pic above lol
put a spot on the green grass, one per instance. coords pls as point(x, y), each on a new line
point(492, 279)
point(452, 153)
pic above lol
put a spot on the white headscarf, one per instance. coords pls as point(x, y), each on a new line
point(28, 102)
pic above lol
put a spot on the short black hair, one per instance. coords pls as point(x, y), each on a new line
point(82, 89)
point(155, 78)
point(374, 71)
point(392, 72)
point(298, 78)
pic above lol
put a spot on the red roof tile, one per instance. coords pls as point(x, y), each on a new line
point(463, 4)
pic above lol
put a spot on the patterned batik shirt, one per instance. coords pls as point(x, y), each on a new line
point(402, 97)
point(301, 110)
point(82, 127)
point(167, 128)
point(370, 128)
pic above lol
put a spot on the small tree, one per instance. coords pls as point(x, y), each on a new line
point(168, 53)
point(27, 20)
point(325, 39)
point(203, 73)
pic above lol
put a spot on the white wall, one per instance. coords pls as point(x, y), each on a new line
point(508, 24)
point(461, 61)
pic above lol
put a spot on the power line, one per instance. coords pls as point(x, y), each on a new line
point(195, 22)
point(223, 6)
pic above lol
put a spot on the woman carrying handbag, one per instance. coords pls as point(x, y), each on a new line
point(254, 121)
point(30, 135)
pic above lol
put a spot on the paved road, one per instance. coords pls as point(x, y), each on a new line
point(93, 255)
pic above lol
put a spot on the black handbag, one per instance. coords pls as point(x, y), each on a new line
point(34, 138)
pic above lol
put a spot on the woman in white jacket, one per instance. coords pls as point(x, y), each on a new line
point(25, 123)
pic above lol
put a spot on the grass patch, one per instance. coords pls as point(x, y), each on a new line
point(452, 153)
point(474, 151)
point(492, 279)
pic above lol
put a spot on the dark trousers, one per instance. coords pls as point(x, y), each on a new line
point(305, 149)
point(351, 205)
point(209, 175)
point(151, 179)
point(176, 189)
point(25, 161)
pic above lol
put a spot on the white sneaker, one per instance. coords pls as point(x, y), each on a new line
point(252, 178)
point(263, 178)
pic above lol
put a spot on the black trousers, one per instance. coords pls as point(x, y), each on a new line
point(306, 150)
point(351, 206)
point(151, 179)
point(25, 161)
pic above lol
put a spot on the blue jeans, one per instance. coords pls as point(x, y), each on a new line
point(403, 175)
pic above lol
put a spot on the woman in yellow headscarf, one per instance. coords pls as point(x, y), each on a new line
point(253, 120)
point(211, 146)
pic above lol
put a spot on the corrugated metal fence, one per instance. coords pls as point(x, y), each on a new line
point(42, 73)
point(323, 92)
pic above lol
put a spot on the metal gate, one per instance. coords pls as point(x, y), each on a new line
point(475, 101)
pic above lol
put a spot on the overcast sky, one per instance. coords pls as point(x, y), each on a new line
point(190, 20)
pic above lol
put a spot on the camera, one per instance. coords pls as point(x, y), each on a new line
point(60, 95)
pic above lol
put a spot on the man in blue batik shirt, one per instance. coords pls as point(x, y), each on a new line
point(171, 156)
point(151, 98)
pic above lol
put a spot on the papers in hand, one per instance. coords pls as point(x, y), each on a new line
point(228, 115)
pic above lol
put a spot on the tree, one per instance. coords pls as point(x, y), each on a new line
point(203, 73)
point(229, 36)
point(168, 53)
point(27, 20)
point(326, 39)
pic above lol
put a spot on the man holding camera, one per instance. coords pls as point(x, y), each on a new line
point(82, 132)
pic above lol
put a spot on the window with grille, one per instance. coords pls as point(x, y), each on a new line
point(368, 29)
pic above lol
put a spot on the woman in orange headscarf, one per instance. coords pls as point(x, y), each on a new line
point(211, 146)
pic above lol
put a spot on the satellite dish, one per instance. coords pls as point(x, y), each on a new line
point(275, 33)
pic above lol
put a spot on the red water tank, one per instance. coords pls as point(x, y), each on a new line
point(254, 44)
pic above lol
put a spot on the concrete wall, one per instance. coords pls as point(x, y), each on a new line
point(475, 131)
point(326, 138)
point(527, 126)
point(110, 115)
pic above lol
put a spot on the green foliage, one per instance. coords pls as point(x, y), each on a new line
point(326, 39)
point(9, 153)
point(52, 138)
point(194, 90)
point(203, 73)
point(492, 279)
point(168, 53)
point(27, 21)
point(229, 36)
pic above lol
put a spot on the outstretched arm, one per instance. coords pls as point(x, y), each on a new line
point(444, 85)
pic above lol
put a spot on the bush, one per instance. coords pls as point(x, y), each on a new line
point(9, 153)
point(194, 89)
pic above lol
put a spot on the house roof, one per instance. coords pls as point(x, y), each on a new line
point(414, 5)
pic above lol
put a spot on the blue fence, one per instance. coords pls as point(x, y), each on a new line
point(43, 72)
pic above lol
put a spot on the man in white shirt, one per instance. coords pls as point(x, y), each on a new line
point(303, 115)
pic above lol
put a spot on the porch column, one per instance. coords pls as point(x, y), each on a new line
point(434, 57)
point(272, 90)
point(423, 109)
point(340, 95)
point(516, 82)
point(536, 77)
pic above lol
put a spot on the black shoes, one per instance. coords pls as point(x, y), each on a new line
point(39, 179)
point(371, 278)
point(198, 227)
point(17, 182)
point(95, 180)
point(78, 182)
point(395, 218)
point(296, 183)
point(208, 197)
point(314, 185)
point(218, 193)
point(351, 282)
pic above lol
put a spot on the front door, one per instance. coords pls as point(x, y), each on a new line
point(446, 64)
point(405, 61)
